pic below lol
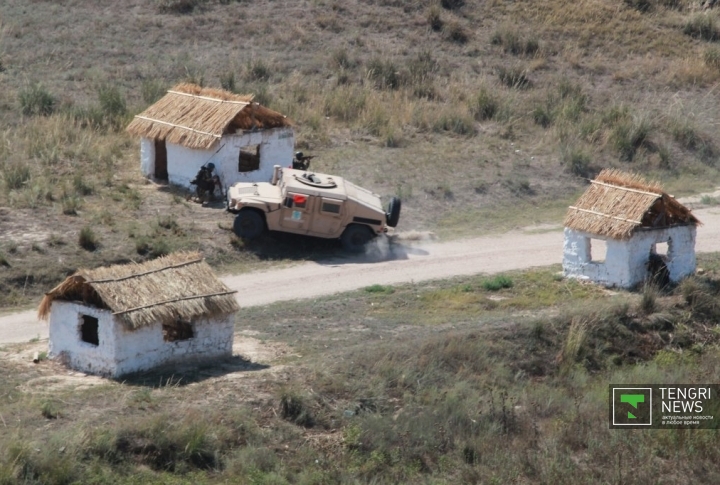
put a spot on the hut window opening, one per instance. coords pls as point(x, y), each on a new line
point(661, 249)
point(598, 250)
point(249, 160)
point(177, 331)
point(89, 330)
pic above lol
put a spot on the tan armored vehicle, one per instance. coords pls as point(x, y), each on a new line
point(314, 204)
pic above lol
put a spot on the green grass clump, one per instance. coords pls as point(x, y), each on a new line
point(379, 289)
point(87, 239)
point(515, 43)
point(484, 105)
point(35, 99)
point(497, 283)
point(703, 26)
point(514, 77)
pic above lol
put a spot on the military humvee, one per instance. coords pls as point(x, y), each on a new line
point(314, 204)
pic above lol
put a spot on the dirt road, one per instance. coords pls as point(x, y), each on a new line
point(404, 261)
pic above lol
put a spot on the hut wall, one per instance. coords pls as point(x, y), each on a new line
point(147, 157)
point(145, 348)
point(625, 262)
point(680, 258)
point(276, 148)
point(66, 339)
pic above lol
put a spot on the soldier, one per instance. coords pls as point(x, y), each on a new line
point(205, 182)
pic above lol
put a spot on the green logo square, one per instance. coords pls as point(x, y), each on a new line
point(632, 406)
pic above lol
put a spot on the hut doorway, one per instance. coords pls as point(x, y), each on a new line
point(658, 272)
point(161, 172)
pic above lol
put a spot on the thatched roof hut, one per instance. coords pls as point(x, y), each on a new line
point(177, 286)
point(197, 117)
point(618, 203)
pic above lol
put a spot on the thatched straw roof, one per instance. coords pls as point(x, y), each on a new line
point(618, 203)
point(178, 286)
point(197, 117)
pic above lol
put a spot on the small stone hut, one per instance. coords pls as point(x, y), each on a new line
point(191, 126)
point(633, 218)
point(126, 318)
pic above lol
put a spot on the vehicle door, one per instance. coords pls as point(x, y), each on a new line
point(328, 217)
point(296, 213)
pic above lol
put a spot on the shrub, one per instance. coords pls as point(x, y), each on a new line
point(152, 90)
point(484, 105)
point(514, 77)
point(257, 70)
point(16, 175)
point(345, 103)
point(702, 26)
point(70, 206)
point(542, 115)
point(294, 409)
point(177, 6)
point(712, 57)
point(112, 102)
point(576, 161)
point(628, 136)
point(515, 43)
point(434, 18)
point(36, 100)
point(227, 81)
point(497, 283)
point(640, 5)
point(87, 239)
point(384, 74)
point(452, 4)
point(454, 122)
point(455, 32)
point(379, 289)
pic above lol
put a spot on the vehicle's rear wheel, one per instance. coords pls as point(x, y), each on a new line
point(393, 213)
point(248, 224)
point(355, 238)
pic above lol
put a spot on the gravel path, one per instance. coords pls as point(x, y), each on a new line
point(403, 261)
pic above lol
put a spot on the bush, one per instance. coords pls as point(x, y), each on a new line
point(640, 5)
point(36, 100)
point(497, 283)
point(702, 26)
point(434, 18)
point(452, 4)
point(514, 77)
point(384, 74)
point(112, 103)
point(152, 90)
point(456, 123)
point(515, 43)
point(712, 57)
point(87, 239)
point(16, 175)
point(628, 136)
point(294, 409)
point(455, 32)
point(484, 106)
point(576, 162)
point(177, 6)
point(257, 70)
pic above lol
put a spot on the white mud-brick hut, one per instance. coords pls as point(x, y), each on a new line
point(192, 126)
point(127, 318)
point(645, 233)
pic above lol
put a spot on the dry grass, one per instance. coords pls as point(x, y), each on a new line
point(422, 103)
point(418, 384)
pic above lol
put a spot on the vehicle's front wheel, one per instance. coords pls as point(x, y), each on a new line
point(355, 238)
point(248, 224)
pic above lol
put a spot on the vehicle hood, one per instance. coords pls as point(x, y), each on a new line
point(363, 196)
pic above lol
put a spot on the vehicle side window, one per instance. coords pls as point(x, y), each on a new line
point(331, 206)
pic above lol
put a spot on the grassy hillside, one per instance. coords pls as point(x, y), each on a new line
point(474, 380)
point(481, 115)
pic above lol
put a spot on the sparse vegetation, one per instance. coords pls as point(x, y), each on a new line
point(703, 25)
point(35, 99)
point(87, 239)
